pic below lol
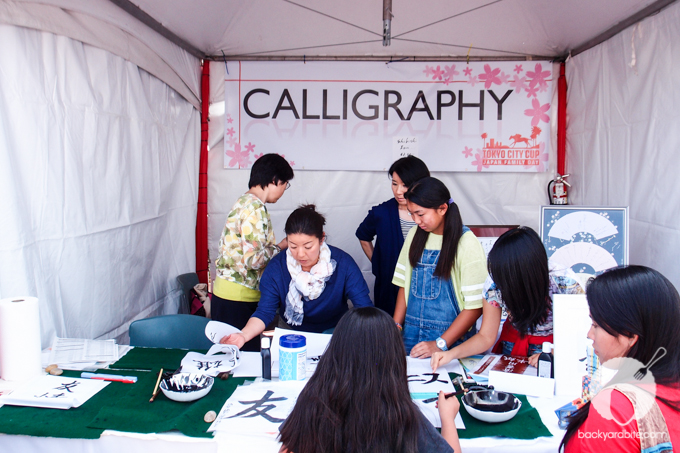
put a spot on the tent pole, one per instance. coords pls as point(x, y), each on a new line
point(202, 256)
point(561, 121)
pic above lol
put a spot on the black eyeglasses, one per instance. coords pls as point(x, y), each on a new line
point(287, 186)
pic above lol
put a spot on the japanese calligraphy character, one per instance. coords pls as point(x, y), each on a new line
point(256, 405)
point(432, 379)
point(67, 386)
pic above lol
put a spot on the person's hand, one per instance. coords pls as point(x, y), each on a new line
point(448, 407)
point(235, 338)
point(424, 349)
point(439, 358)
point(533, 360)
point(283, 245)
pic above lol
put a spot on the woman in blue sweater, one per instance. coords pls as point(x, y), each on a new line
point(389, 223)
point(310, 283)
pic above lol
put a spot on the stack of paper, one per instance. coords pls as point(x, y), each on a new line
point(79, 354)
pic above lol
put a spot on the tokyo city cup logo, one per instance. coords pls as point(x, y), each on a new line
point(631, 375)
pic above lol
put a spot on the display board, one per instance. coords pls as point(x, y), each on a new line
point(587, 239)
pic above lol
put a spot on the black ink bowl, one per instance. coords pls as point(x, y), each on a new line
point(187, 386)
point(491, 406)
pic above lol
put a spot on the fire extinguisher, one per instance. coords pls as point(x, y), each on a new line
point(558, 194)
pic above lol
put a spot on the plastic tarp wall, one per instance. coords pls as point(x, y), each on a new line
point(98, 185)
point(623, 134)
point(346, 196)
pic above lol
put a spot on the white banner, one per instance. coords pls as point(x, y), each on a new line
point(364, 115)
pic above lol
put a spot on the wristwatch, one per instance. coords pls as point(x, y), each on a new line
point(441, 344)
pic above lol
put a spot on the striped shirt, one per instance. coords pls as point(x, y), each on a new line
point(406, 226)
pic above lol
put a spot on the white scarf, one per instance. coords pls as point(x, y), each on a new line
point(306, 285)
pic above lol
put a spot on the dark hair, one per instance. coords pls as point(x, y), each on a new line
point(268, 169)
point(431, 193)
point(637, 300)
point(305, 220)
point(358, 398)
point(409, 169)
point(518, 266)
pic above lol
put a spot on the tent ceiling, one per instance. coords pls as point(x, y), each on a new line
point(353, 28)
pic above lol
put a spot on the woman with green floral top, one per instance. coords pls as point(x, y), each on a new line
point(247, 244)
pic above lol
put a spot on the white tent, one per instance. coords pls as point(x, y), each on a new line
point(100, 130)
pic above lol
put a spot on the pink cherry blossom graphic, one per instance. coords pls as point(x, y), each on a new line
point(467, 152)
point(490, 76)
point(467, 71)
point(519, 84)
point(472, 80)
point(437, 73)
point(238, 158)
point(230, 119)
point(479, 162)
point(538, 76)
point(531, 91)
point(292, 163)
point(428, 71)
point(538, 112)
point(231, 141)
point(450, 71)
point(257, 156)
point(504, 77)
point(250, 147)
point(231, 132)
point(518, 68)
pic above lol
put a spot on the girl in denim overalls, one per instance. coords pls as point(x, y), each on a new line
point(441, 272)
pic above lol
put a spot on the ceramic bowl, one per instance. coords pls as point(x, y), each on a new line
point(491, 406)
point(186, 386)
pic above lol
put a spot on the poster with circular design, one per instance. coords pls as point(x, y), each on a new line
point(586, 239)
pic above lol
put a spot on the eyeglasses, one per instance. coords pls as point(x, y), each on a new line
point(287, 186)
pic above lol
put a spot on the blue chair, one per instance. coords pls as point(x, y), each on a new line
point(170, 331)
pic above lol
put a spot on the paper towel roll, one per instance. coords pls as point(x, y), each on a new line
point(19, 338)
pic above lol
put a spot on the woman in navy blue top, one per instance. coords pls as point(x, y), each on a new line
point(309, 284)
point(388, 223)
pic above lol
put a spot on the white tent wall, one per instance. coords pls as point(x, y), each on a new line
point(102, 24)
point(346, 196)
point(98, 185)
point(623, 134)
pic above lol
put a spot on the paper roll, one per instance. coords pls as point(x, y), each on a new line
point(19, 338)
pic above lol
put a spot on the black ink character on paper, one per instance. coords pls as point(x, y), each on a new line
point(434, 376)
point(259, 408)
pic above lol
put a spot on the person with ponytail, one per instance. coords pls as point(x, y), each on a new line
point(309, 284)
point(521, 283)
point(636, 313)
point(441, 272)
point(358, 398)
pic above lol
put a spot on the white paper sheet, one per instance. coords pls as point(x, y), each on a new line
point(216, 330)
point(212, 363)
point(55, 392)
point(431, 412)
point(250, 366)
point(259, 408)
point(571, 322)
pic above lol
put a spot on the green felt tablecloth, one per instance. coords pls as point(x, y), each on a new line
point(527, 424)
point(151, 359)
point(123, 407)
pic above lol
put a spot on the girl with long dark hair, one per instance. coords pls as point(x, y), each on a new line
point(389, 223)
point(520, 282)
point(358, 398)
point(636, 314)
point(441, 271)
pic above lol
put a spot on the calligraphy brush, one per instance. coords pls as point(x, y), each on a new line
point(155, 389)
point(448, 395)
